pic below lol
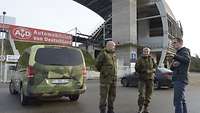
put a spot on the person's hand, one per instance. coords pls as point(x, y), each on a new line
point(175, 64)
point(150, 71)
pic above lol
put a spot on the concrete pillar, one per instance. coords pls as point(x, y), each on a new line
point(124, 21)
point(124, 27)
point(133, 21)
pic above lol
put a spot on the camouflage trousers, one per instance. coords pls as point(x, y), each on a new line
point(145, 88)
point(107, 96)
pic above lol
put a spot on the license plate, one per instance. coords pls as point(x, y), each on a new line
point(60, 81)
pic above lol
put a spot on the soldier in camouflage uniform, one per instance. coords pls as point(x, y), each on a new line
point(106, 65)
point(145, 67)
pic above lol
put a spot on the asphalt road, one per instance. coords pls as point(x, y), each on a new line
point(126, 101)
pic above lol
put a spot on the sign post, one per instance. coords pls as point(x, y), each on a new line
point(2, 46)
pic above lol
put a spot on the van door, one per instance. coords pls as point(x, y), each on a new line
point(59, 63)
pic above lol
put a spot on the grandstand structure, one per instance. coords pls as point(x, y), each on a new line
point(134, 24)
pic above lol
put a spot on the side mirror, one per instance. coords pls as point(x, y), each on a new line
point(12, 68)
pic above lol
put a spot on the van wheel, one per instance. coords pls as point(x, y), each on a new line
point(23, 98)
point(12, 89)
point(171, 85)
point(74, 97)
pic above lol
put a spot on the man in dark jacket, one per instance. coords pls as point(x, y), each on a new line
point(106, 65)
point(145, 67)
point(180, 68)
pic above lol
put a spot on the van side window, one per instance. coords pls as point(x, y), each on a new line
point(24, 60)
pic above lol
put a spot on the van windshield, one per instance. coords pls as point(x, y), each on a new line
point(58, 56)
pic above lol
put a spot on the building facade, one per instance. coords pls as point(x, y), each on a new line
point(134, 24)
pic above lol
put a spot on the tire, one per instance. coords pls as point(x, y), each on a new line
point(12, 89)
point(74, 97)
point(23, 98)
point(171, 85)
point(125, 83)
point(157, 85)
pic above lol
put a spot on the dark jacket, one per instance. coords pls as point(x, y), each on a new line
point(106, 65)
point(180, 72)
point(145, 67)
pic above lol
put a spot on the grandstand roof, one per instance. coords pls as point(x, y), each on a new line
point(104, 7)
point(101, 7)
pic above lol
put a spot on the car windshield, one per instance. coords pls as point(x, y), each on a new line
point(163, 70)
point(58, 56)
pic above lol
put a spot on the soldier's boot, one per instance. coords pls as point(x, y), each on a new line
point(146, 110)
point(102, 111)
point(140, 109)
point(110, 111)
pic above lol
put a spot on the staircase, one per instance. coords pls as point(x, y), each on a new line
point(100, 28)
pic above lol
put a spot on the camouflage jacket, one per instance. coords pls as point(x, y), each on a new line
point(145, 67)
point(106, 65)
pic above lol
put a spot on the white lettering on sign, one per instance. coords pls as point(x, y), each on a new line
point(50, 34)
point(12, 58)
point(39, 39)
point(22, 33)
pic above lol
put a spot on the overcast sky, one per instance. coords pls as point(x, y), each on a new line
point(64, 15)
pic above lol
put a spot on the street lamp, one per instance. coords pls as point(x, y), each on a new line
point(2, 45)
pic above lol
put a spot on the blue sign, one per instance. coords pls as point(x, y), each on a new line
point(133, 56)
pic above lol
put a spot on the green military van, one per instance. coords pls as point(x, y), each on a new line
point(48, 71)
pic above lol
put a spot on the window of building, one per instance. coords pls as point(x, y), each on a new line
point(156, 27)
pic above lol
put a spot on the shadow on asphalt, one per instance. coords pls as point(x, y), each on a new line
point(155, 89)
point(33, 102)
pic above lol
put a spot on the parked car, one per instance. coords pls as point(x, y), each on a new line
point(130, 79)
point(45, 71)
point(163, 77)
